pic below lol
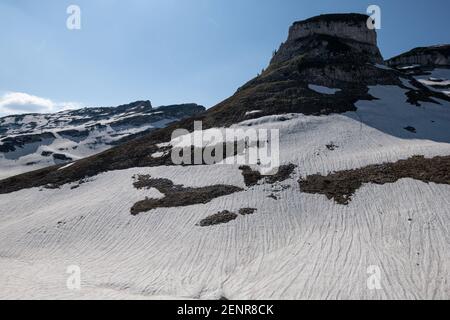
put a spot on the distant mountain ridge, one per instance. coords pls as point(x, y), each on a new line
point(31, 141)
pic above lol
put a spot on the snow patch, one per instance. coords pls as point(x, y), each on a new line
point(66, 166)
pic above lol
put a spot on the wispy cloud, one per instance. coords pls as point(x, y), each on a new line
point(19, 102)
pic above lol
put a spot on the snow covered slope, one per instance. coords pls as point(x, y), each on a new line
point(32, 141)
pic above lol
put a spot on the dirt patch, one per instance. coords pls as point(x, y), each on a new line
point(252, 177)
point(218, 218)
point(177, 195)
point(11, 144)
point(246, 211)
point(46, 153)
point(61, 157)
point(80, 182)
point(423, 94)
point(341, 185)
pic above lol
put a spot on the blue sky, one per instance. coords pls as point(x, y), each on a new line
point(169, 51)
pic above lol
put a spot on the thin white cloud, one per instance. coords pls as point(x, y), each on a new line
point(19, 102)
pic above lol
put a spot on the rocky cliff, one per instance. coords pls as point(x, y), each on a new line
point(432, 56)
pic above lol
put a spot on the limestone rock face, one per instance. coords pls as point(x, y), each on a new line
point(425, 56)
point(348, 29)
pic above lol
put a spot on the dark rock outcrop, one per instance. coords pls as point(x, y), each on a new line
point(61, 157)
point(252, 178)
point(90, 130)
point(246, 211)
point(336, 51)
point(433, 56)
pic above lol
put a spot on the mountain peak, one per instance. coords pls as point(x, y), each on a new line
point(336, 17)
point(331, 35)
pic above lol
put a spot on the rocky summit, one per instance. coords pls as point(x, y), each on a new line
point(433, 56)
point(347, 30)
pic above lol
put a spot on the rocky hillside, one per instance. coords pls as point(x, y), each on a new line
point(31, 141)
point(434, 56)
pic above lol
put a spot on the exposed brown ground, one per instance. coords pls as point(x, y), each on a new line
point(177, 195)
point(341, 185)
